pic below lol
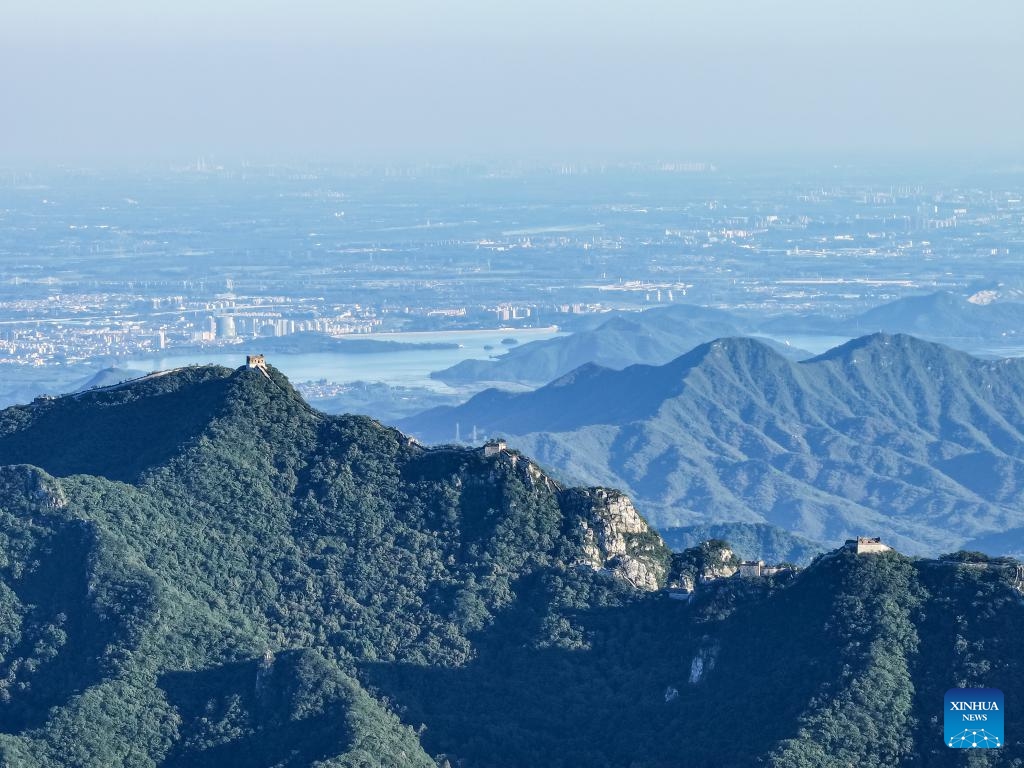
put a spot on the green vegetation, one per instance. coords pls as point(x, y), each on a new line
point(750, 541)
point(965, 556)
point(887, 435)
point(200, 570)
point(712, 558)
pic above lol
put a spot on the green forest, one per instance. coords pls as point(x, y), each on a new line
point(198, 569)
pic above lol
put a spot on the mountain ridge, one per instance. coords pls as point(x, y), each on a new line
point(651, 337)
point(885, 432)
point(658, 335)
point(272, 587)
point(194, 522)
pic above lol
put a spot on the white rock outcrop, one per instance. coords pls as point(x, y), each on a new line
point(617, 538)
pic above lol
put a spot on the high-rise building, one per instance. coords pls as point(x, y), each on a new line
point(225, 326)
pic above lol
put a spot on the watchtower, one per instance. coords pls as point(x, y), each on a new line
point(256, 361)
point(494, 447)
point(752, 568)
point(864, 545)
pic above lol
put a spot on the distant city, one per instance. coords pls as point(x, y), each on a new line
point(101, 270)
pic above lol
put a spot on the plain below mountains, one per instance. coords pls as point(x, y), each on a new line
point(886, 435)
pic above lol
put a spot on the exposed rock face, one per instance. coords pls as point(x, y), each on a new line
point(528, 470)
point(45, 491)
point(703, 662)
point(708, 561)
point(617, 538)
point(720, 564)
point(685, 583)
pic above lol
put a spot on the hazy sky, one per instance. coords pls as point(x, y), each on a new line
point(264, 80)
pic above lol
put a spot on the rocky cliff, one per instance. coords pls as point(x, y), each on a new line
point(617, 538)
point(708, 561)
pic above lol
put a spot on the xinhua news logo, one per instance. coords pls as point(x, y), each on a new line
point(974, 718)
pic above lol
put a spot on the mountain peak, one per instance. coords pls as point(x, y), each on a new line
point(732, 352)
point(887, 432)
point(157, 416)
point(744, 345)
point(584, 372)
point(274, 554)
point(890, 344)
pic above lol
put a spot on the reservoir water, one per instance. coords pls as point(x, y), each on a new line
point(405, 367)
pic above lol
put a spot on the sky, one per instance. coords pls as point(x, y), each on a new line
point(267, 81)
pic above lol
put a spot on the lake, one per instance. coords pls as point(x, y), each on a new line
point(411, 367)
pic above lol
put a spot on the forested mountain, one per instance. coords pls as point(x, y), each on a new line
point(845, 664)
point(108, 377)
point(197, 564)
point(886, 434)
point(197, 569)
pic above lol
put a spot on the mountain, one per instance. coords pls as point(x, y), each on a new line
point(657, 336)
point(198, 569)
point(194, 565)
point(654, 337)
point(885, 434)
point(843, 664)
point(945, 317)
point(959, 321)
point(108, 377)
point(384, 402)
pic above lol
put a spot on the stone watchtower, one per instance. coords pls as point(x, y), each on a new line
point(258, 363)
point(495, 447)
point(864, 545)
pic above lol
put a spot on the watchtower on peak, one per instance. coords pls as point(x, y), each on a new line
point(495, 447)
point(865, 545)
point(258, 363)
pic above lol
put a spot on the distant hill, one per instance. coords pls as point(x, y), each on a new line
point(378, 400)
point(657, 336)
point(886, 434)
point(107, 377)
point(1007, 542)
point(942, 316)
point(654, 337)
point(945, 317)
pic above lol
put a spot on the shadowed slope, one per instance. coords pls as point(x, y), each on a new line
point(889, 434)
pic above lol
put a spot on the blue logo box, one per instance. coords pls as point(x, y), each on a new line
point(974, 718)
